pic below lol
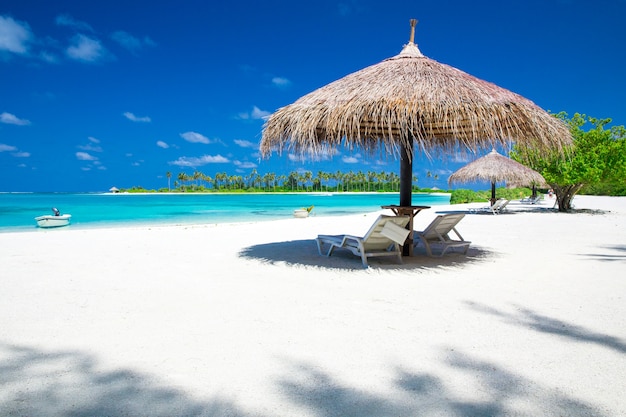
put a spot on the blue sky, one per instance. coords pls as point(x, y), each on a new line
point(107, 93)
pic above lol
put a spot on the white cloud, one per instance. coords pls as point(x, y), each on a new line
point(259, 114)
point(245, 143)
point(195, 137)
point(14, 36)
point(84, 156)
point(49, 57)
point(351, 159)
point(281, 82)
point(130, 42)
point(13, 149)
point(132, 117)
point(11, 119)
point(86, 49)
point(90, 147)
point(255, 114)
point(245, 165)
point(67, 20)
point(190, 161)
point(7, 148)
point(324, 154)
point(162, 144)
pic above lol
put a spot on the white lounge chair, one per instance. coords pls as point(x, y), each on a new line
point(438, 234)
point(384, 238)
point(496, 208)
point(531, 200)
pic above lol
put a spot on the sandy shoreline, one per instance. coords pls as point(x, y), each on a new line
point(247, 319)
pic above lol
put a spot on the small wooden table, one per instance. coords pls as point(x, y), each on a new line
point(411, 211)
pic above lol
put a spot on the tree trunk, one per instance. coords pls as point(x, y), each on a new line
point(565, 194)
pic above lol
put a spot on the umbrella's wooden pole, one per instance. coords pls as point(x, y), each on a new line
point(412, 37)
point(406, 174)
point(406, 189)
point(493, 193)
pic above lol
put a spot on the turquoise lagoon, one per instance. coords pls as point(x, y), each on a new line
point(18, 210)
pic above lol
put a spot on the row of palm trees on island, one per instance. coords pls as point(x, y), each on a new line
point(295, 181)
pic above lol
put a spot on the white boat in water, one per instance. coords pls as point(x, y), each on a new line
point(300, 213)
point(303, 212)
point(53, 220)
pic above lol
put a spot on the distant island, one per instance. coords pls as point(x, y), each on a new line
point(305, 181)
point(322, 182)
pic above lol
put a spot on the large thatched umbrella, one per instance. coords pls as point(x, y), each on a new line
point(405, 100)
point(494, 168)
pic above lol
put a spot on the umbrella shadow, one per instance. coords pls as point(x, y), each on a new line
point(509, 211)
point(304, 253)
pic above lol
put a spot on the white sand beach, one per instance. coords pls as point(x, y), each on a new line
point(249, 320)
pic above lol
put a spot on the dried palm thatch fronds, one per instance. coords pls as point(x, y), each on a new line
point(410, 98)
point(494, 167)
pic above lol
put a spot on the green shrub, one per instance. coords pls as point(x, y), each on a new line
point(462, 196)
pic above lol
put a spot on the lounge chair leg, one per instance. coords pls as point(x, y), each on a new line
point(320, 249)
point(319, 246)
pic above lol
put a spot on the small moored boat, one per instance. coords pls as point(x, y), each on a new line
point(303, 212)
point(53, 220)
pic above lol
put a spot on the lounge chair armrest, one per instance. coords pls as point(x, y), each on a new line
point(351, 237)
point(457, 234)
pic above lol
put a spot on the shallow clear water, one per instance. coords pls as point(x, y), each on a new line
point(18, 210)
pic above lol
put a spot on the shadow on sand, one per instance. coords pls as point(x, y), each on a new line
point(36, 382)
point(305, 253)
point(527, 318)
point(613, 253)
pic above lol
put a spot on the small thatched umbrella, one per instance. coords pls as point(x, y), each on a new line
point(409, 99)
point(495, 168)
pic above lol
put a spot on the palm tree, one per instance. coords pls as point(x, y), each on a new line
point(182, 178)
point(207, 179)
point(168, 174)
point(197, 175)
point(308, 177)
point(282, 179)
point(220, 177)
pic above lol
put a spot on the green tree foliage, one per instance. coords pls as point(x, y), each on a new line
point(597, 156)
point(463, 196)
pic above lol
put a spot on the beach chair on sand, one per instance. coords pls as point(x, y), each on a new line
point(383, 239)
point(531, 200)
point(438, 234)
point(497, 207)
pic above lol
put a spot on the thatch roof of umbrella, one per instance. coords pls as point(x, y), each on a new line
point(409, 99)
point(494, 168)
